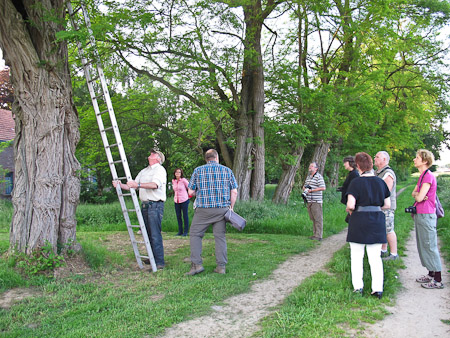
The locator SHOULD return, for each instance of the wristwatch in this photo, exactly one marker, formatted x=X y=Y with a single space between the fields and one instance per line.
x=139 y=185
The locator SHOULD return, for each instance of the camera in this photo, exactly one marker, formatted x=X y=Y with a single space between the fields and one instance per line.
x=305 y=192
x=339 y=189
x=411 y=210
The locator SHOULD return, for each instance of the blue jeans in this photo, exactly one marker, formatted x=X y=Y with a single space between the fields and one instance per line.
x=153 y=214
x=179 y=208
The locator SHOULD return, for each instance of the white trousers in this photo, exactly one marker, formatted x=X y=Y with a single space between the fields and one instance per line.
x=375 y=262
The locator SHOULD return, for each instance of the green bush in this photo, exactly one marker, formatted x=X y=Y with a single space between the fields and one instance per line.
x=6 y=212
x=443 y=182
x=89 y=194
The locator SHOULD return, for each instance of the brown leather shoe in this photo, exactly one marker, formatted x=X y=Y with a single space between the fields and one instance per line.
x=220 y=269
x=195 y=269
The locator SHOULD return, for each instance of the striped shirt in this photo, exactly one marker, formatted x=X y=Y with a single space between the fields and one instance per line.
x=212 y=183
x=315 y=181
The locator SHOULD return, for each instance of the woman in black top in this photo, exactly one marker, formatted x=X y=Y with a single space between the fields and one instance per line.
x=350 y=165
x=366 y=196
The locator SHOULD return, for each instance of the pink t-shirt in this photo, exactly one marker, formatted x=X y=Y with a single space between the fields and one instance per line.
x=180 y=188
x=428 y=206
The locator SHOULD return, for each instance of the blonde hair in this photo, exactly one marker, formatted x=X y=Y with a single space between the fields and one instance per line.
x=426 y=156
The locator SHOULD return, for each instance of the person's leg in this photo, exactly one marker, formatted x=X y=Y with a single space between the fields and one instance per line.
x=219 y=229
x=390 y=233
x=311 y=216
x=318 y=220
x=357 y=264
x=200 y=224
x=155 y=215
x=185 y=209
x=144 y=212
x=376 y=266
x=178 y=207
x=427 y=241
x=392 y=241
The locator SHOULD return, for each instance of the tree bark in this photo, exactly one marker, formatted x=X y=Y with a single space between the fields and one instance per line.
x=287 y=179
x=320 y=155
x=249 y=160
x=47 y=185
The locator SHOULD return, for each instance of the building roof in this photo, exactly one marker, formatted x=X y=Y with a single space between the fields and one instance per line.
x=6 y=125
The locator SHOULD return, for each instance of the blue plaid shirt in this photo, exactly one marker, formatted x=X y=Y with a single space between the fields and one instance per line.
x=212 y=183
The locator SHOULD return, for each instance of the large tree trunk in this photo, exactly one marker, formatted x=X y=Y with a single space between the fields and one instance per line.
x=320 y=155
x=47 y=185
x=249 y=160
x=287 y=179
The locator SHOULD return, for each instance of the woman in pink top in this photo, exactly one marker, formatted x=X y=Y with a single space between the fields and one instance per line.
x=425 y=221
x=181 y=199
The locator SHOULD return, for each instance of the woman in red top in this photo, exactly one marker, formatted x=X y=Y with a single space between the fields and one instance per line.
x=181 y=199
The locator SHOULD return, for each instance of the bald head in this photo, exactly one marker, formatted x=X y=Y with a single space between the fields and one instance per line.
x=381 y=159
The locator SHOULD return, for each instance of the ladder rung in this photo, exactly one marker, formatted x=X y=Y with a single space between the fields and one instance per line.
x=145 y=257
x=121 y=178
x=75 y=11
x=98 y=97
x=139 y=242
x=125 y=195
x=112 y=145
x=89 y=62
x=102 y=112
x=106 y=129
x=118 y=161
x=94 y=79
x=130 y=210
x=134 y=226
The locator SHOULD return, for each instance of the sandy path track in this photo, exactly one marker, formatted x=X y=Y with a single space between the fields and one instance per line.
x=240 y=315
x=418 y=312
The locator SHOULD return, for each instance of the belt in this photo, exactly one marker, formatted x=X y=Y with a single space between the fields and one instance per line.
x=151 y=202
x=368 y=208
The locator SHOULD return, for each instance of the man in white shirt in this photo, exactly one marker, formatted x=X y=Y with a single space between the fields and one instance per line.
x=388 y=175
x=151 y=182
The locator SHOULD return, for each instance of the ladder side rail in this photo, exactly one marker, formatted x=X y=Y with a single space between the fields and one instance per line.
x=119 y=143
x=107 y=96
x=87 y=69
x=136 y=202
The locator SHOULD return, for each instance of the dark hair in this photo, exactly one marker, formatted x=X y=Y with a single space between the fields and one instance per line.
x=182 y=174
x=364 y=161
x=211 y=154
x=350 y=160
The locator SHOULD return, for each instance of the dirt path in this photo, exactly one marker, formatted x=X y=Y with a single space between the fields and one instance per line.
x=418 y=312
x=240 y=315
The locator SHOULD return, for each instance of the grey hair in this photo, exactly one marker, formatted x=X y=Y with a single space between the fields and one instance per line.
x=385 y=154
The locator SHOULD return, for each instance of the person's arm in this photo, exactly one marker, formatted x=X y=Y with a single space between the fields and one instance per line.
x=351 y=203
x=317 y=189
x=233 y=197
x=387 y=203
x=422 y=194
x=122 y=186
x=191 y=192
x=136 y=185
x=389 y=180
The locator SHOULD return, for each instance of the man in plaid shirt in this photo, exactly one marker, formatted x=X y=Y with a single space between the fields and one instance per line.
x=215 y=188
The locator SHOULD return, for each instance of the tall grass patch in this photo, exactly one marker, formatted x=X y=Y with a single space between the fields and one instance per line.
x=6 y=212
x=443 y=182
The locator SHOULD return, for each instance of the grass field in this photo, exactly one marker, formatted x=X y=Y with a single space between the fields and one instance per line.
x=111 y=299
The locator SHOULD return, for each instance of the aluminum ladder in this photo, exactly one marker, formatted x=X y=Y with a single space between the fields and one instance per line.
x=98 y=90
